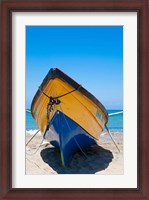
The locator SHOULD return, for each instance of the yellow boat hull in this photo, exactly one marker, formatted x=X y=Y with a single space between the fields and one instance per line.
x=75 y=105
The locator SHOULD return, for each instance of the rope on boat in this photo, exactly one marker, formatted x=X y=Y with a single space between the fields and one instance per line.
x=69 y=92
x=50 y=107
x=73 y=137
x=56 y=98
x=43 y=92
x=49 y=119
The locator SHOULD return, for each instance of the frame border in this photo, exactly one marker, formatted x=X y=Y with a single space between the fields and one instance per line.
x=142 y=9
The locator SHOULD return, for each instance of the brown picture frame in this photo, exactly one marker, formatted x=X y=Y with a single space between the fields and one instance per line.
x=142 y=9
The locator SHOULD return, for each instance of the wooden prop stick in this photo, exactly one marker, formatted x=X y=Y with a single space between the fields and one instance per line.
x=32 y=137
x=112 y=138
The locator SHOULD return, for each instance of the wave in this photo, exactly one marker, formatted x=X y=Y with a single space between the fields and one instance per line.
x=28 y=110
x=31 y=131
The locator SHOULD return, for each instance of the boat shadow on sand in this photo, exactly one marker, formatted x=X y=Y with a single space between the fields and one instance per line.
x=97 y=159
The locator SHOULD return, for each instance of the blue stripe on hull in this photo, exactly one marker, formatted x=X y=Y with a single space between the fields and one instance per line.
x=64 y=133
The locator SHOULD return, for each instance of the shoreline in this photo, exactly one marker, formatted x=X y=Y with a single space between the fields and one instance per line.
x=102 y=158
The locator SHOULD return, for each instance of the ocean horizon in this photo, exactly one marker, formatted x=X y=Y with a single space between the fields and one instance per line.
x=115 y=123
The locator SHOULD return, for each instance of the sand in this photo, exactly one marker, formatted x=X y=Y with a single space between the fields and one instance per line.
x=103 y=158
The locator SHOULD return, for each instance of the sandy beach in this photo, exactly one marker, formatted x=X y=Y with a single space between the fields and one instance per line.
x=103 y=158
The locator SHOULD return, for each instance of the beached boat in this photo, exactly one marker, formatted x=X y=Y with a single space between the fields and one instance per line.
x=67 y=115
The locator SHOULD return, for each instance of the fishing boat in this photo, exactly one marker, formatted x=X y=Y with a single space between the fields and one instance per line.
x=68 y=116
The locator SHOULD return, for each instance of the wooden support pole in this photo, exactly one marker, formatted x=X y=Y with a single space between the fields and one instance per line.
x=32 y=137
x=112 y=138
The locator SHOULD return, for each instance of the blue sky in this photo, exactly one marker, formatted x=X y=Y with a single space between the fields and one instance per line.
x=91 y=55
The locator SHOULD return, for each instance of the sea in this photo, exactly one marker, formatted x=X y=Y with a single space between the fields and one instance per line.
x=115 y=123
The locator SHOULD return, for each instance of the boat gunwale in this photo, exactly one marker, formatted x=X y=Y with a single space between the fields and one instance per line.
x=57 y=73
